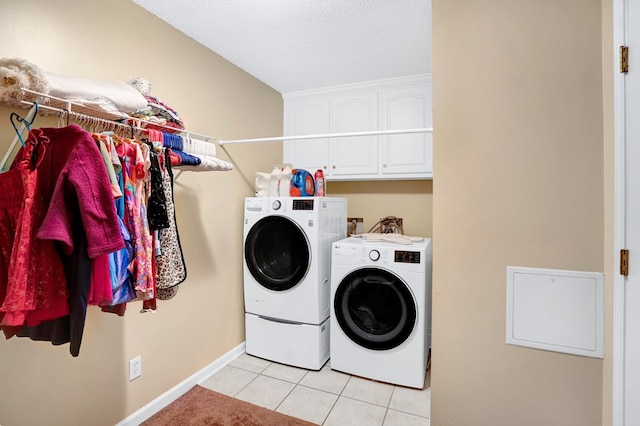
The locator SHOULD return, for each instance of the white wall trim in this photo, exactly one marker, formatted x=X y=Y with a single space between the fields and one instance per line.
x=619 y=213
x=181 y=388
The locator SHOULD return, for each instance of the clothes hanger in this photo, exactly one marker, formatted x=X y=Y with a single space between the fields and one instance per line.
x=26 y=121
x=25 y=124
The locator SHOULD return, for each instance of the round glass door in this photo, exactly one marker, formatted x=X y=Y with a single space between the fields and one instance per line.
x=375 y=308
x=277 y=253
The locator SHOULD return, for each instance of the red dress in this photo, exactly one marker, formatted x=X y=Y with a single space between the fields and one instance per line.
x=35 y=288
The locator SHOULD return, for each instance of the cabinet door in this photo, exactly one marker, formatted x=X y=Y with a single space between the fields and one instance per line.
x=411 y=153
x=307 y=116
x=354 y=155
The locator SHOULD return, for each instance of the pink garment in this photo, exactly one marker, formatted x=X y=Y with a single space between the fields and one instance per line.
x=155 y=135
x=100 y=292
x=175 y=159
x=73 y=167
x=135 y=217
x=141 y=165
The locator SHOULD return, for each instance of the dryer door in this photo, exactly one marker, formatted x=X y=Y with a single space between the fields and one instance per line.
x=277 y=252
x=375 y=308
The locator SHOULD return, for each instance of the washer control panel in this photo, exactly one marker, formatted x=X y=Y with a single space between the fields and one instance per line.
x=374 y=255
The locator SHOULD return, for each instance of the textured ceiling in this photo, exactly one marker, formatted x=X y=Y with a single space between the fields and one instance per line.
x=296 y=45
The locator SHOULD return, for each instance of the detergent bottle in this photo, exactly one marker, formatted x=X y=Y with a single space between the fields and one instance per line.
x=320 y=185
x=302 y=184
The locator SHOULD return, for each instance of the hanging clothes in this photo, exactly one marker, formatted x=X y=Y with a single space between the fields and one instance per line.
x=157 y=205
x=73 y=233
x=80 y=218
x=135 y=216
x=34 y=286
x=103 y=142
x=123 y=286
x=172 y=269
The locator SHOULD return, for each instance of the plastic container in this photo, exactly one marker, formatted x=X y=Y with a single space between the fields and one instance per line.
x=302 y=184
x=262 y=184
x=274 y=182
x=320 y=184
x=284 y=183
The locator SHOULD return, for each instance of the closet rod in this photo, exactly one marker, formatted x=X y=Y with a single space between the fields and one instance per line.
x=69 y=104
x=81 y=116
x=330 y=135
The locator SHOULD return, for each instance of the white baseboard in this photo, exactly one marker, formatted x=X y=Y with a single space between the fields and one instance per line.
x=181 y=388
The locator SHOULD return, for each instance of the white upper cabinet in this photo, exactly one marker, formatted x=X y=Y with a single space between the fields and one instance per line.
x=309 y=116
x=354 y=155
x=394 y=104
x=411 y=153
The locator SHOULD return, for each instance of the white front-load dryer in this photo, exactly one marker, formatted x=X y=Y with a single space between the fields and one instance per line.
x=381 y=310
x=287 y=271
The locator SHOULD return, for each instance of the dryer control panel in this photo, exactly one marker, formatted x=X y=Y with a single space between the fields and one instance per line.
x=382 y=255
x=406 y=256
x=303 y=204
x=356 y=251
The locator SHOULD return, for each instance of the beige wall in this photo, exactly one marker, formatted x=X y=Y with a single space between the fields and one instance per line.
x=518 y=166
x=117 y=40
x=410 y=200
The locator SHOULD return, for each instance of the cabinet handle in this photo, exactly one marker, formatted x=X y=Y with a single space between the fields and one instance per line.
x=324 y=167
x=334 y=166
x=384 y=165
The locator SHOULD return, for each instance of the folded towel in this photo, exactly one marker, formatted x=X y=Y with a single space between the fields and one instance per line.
x=208 y=164
x=123 y=96
x=213 y=163
x=389 y=238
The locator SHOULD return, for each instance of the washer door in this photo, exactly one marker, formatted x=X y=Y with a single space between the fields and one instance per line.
x=277 y=253
x=375 y=308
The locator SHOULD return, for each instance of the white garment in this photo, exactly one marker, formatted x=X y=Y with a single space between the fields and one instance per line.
x=207 y=164
x=198 y=147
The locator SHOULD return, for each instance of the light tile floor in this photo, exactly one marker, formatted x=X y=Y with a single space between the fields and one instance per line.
x=326 y=397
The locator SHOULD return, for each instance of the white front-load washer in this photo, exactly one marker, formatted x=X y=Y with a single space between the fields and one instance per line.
x=287 y=271
x=381 y=310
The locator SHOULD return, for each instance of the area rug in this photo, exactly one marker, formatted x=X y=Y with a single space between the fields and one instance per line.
x=201 y=406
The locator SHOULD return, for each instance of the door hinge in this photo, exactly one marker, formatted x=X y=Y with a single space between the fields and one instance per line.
x=624 y=59
x=624 y=262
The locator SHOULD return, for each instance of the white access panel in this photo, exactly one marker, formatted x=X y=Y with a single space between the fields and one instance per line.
x=556 y=310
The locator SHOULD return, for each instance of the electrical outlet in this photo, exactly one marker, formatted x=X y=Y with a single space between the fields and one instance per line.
x=135 y=368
